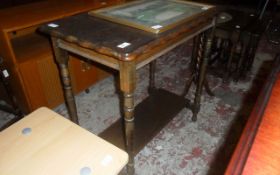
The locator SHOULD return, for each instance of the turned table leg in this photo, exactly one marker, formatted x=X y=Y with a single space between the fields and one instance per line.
x=234 y=40
x=127 y=86
x=193 y=65
x=203 y=53
x=201 y=66
x=152 y=76
x=245 y=40
x=62 y=59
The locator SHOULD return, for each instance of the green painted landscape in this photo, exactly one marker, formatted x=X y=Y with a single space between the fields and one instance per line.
x=155 y=14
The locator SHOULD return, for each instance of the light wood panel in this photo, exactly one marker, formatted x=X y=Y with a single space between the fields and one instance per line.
x=51 y=84
x=31 y=46
x=24 y=16
x=31 y=79
x=55 y=146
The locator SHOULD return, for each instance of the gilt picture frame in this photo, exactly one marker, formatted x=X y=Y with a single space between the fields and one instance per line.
x=152 y=16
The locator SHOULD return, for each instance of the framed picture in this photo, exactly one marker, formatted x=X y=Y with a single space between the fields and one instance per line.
x=153 y=16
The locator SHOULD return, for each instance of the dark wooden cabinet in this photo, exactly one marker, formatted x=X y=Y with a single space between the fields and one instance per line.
x=28 y=55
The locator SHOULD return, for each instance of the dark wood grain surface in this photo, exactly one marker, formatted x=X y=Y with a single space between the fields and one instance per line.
x=240 y=20
x=104 y=36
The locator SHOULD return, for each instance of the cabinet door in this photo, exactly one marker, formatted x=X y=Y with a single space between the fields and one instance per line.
x=83 y=74
x=41 y=82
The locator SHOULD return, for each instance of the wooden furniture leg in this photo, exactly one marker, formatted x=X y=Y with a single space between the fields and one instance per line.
x=252 y=50
x=224 y=51
x=195 y=49
x=192 y=65
x=207 y=88
x=195 y=66
x=127 y=86
x=62 y=59
x=234 y=40
x=203 y=53
x=241 y=66
x=201 y=66
x=152 y=76
x=200 y=54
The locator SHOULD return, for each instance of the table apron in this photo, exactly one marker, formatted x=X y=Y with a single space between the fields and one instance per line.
x=89 y=54
x=164 y=51
x=113 y=62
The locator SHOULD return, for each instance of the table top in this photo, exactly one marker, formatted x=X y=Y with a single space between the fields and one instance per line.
x=239 y=20
x=46 y=143
x=117 y=40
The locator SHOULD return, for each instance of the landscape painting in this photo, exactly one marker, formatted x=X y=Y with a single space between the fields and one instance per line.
x=152 y=16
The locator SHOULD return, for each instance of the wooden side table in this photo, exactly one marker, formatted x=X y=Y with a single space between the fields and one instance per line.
x=46 y=143
x=238 y=39
x=106 y=43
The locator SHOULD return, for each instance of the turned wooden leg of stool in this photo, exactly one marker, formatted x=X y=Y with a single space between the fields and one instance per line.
x=245 y=39
x=255 y=38
x=203 y=54
x=192 y=66
x=200 y=56
x=234 y=40
x=188 y=85
x=207 y=88
x=224 y=51
x=152 y=76
x=62 y=59
x=195 y=49
x=215 y=51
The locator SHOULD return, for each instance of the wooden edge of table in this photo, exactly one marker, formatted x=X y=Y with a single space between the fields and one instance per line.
x=242 y=150
x=141 y=61
x=137 y=55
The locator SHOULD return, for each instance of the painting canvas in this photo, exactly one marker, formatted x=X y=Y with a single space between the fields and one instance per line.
x=153 y=16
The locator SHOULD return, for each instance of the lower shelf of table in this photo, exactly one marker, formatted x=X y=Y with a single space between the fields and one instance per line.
x=151 y=115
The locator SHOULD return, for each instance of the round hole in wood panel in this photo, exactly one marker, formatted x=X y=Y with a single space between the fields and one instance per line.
x=85 y=171
x=26 y=131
